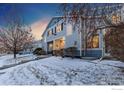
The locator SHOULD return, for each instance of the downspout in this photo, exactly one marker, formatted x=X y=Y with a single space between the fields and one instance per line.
x=84 y=37
x=103 y=45
x=80 y=37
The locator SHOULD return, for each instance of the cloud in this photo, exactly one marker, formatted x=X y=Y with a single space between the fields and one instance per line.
x=38 y=27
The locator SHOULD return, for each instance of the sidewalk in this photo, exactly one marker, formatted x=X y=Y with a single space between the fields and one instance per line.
x=22 y=62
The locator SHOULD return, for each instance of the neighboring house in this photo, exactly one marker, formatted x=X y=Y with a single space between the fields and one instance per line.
x=60 y=35
x=29 y=48
x=37 y=44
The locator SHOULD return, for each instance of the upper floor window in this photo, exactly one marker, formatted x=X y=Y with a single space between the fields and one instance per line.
x=59 y=27
x=50 y=32
x=115 y=18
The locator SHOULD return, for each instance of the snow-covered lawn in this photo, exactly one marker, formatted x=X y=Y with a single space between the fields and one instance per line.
x=67 y=71
x=8 y=59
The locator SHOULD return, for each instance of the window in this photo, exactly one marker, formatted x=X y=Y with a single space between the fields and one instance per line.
x=115 y=18
x=59 y=27
x=59 y=44
x=93 y=42
x=49 y=32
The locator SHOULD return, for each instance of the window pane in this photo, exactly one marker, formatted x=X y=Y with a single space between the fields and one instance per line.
x=58 y=28
x=93 y=42
x=49 y=33
x=115 y=18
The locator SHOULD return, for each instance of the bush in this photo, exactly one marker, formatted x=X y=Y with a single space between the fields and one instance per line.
x=39 y=51
x=115 y=41
x=71 y=51
x=58 y=52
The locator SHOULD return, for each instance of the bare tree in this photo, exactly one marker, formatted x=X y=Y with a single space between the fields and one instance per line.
x=84 y=16
x=15 y=35
x=115 y=41
x=89 y=18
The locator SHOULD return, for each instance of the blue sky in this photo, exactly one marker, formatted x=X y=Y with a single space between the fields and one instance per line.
x=37 y=15
x=32 y=12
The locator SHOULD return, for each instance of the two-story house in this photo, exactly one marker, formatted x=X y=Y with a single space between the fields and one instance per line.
x=61 y=35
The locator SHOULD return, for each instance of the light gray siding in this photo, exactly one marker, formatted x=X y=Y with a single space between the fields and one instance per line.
x=71 y=39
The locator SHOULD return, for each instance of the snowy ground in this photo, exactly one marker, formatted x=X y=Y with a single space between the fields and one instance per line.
x=8 y=59
x=67 y=71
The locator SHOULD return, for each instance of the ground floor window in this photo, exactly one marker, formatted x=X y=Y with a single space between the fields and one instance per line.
x=59 y=44
x=93 y=41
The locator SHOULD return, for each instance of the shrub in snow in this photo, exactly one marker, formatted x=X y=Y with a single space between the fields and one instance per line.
x=39 y=51
x=58 y=52
x=71 y=51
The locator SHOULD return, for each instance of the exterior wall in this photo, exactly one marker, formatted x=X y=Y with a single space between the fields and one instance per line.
x=53 y=37
x=58 y=34
x=70 y=39
x=93 y=53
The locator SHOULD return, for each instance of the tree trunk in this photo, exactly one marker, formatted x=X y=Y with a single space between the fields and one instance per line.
x=14 y=50
x=14 y=55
